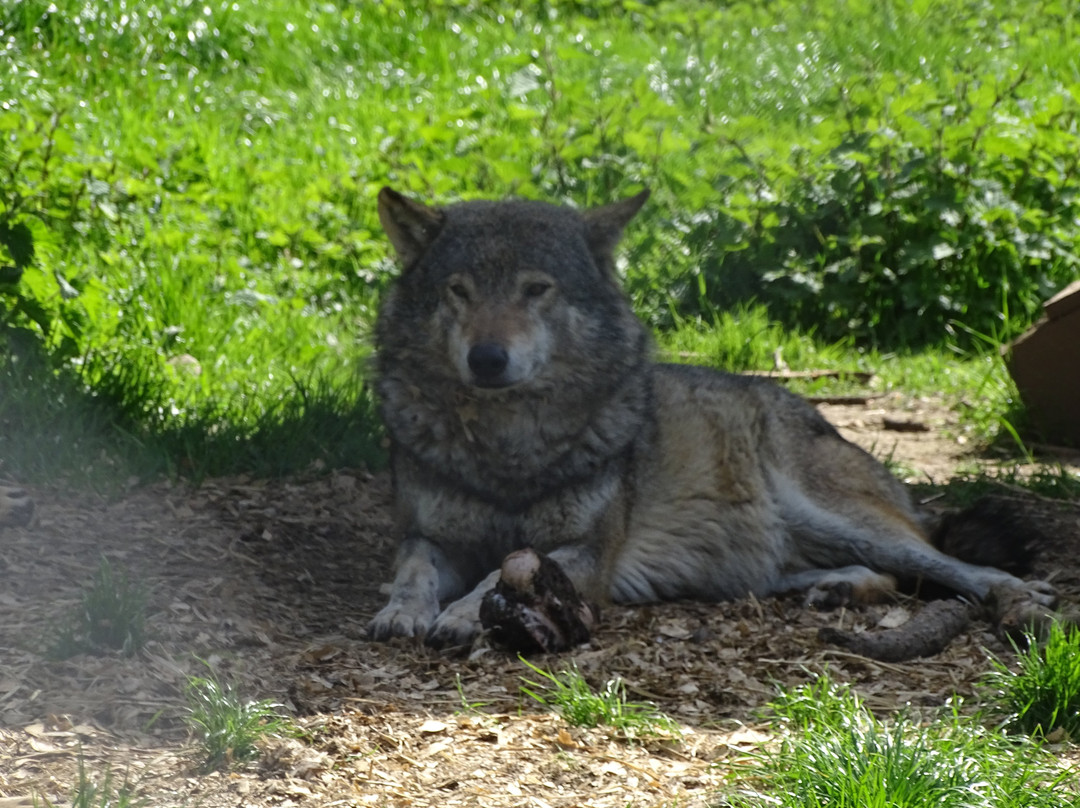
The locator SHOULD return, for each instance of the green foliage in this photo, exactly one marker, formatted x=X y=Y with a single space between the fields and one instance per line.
x=53 y=428
x=47 y=198
x=821 y=704
x=918 y=210
x=187 y=220
x=746 y=337
x=103 y=793
x=834 y=752
x=467 y=706
x=110 y=617
x=1043 y=694
x=228 y=726
x=581 y=706
x=1049 y=482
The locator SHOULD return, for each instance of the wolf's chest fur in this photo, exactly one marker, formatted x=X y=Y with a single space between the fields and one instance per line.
x=514 y=451
x=487 y=475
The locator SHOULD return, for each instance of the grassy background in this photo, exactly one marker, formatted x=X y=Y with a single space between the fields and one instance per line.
x=190 y=258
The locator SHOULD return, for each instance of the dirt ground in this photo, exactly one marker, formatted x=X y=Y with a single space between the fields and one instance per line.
x=272 y=583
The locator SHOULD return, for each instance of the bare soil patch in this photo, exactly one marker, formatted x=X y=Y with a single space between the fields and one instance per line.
x=272 y=584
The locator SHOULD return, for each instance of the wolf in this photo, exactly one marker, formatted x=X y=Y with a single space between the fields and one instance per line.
x=524 y=410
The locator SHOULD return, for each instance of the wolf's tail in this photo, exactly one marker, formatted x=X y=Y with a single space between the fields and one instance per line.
x=994 y=532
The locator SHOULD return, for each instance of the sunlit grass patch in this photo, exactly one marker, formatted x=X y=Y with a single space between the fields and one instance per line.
x=104 y=439
x=228 y=725
x=746 y=338
x=569 y=694
x=832 y=751
x=187 y=193
x=1042 y=695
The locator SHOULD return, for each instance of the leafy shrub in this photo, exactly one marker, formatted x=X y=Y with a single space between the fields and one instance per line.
x=926 y=218
x=49 y=193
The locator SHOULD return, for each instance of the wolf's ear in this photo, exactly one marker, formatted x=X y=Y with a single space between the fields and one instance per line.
x=604 y=227
x=410 y=226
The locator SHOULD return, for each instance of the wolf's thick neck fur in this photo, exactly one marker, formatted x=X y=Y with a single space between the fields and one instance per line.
x=490 y=443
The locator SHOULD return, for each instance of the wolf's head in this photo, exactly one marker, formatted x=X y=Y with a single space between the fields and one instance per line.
x=501 y=295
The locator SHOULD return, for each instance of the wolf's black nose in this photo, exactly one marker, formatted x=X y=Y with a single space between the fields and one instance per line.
x=488 y=360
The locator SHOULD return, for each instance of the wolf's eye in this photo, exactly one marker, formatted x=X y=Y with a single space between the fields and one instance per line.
x=537 y=289
x=459 y=291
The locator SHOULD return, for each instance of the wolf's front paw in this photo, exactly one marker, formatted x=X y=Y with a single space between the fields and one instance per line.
x=16 y=507
x=457 y=625
x=403 y=618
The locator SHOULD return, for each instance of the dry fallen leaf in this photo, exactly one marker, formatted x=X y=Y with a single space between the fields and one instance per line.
x=894 y=618
x=565 y=739
x=432 y=727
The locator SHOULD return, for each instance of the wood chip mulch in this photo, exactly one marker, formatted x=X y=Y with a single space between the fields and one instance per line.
x=271 y=584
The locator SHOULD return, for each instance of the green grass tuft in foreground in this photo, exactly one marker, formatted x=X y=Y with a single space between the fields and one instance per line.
x=1042 y=696
x=110 y=617
x=833 y=752
x=102 y=792
x=228 y=726
x=575 y=700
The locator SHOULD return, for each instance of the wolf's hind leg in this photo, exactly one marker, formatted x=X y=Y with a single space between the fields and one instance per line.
x=878 y=529
x=846 y=586
x=905 y=554
x=422 y=576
